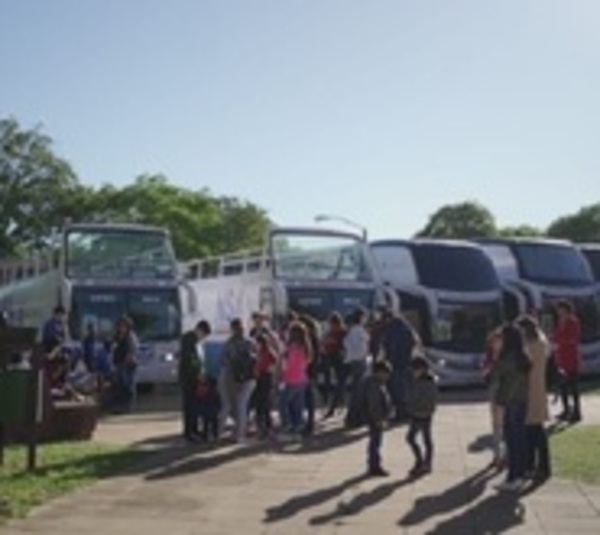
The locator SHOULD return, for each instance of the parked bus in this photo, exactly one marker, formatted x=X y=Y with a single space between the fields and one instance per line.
x=450 y=293
x=536 y=273
x=100 y=272
x=308 y=271
x=592 y=254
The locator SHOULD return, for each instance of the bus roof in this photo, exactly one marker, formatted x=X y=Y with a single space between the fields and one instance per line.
x=523 y=241
x=425 y=241
x=128 y=227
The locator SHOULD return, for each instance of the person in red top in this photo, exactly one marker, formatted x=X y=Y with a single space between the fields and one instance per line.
x=566 y=337
x=265 y=369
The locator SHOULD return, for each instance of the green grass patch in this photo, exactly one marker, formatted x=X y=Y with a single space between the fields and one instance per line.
x=575 y=453
x=63 y=468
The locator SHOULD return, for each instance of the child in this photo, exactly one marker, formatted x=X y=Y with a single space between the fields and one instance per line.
x=267 y=361
x=421 y=407
x=376 y=411
x=209 y=406
x=493 y=350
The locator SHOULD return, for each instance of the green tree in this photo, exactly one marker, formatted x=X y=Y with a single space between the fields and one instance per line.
x=521 y=231
x=583 y=226
x=464 y=220
x=35 y=188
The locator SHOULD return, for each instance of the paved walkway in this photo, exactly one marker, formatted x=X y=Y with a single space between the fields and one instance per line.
x=316 y=489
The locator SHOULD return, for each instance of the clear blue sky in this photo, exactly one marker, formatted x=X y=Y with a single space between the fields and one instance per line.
x=379 y=110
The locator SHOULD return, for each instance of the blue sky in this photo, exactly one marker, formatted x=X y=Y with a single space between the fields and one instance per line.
x=380 y=111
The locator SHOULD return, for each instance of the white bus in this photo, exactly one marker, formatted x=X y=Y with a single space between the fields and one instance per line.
x=450 y=293
x=536 y=273
x=308 y=271
x=99 y=272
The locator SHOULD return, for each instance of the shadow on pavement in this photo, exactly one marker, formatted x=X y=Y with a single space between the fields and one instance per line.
x=324 y=440
x=481 y=443
x=297 y=504
x=453 y=498
x=359 y=503
x=493 y=515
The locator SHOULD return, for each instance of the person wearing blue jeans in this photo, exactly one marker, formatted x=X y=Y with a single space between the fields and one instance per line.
x=376 y=407
x=515 y=434
x=292 y=407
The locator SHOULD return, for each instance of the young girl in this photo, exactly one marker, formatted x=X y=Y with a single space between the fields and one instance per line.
x=294 y=378
x=266 y=364
x=493 y=349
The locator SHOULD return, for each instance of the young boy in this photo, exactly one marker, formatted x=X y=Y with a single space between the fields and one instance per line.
x=421 y=407
x=376 y=407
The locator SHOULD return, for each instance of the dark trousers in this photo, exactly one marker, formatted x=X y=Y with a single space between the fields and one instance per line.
x=309 y=405
x=210 y=426
x=374 y=447
x=422 y=427
x=398 y=386
x=124 y=385
x=569 y=392
x=341 y=373
x=263 y=402
x=515 y=436
x=189 y=411
x=538 y=453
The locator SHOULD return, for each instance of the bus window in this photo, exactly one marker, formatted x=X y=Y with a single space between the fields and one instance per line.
x=395 y=264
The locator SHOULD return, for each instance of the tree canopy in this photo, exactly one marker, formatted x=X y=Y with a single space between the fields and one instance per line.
x=583 y=226
x=466 y=220
x=40 y=191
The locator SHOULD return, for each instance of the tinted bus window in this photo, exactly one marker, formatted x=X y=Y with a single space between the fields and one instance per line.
x=503 y=259
x=553 y=264
x=593 y=258
x=455 y=268
x=395 y=264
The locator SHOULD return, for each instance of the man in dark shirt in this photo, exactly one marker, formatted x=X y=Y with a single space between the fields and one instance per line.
x=124 y=357
x=54 y=331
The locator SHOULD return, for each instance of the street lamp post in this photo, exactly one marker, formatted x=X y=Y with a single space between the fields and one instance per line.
x=327 y=217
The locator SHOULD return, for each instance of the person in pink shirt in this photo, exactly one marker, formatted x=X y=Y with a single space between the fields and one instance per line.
x=294 y=378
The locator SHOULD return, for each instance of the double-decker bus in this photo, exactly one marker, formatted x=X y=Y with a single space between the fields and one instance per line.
x=99 y=272
x=308 y=271
x=450 y=293
x=536 y=273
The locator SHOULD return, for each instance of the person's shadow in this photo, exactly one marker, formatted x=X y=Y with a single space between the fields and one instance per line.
x=360 y=502
x=451 y=499
x=493 y=515
x=297 y=504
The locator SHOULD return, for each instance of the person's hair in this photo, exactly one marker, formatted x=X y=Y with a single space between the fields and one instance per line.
x=125 y=321
x=298 y=334
x=419 y=362
x=59 y=309
x=236 y=325
x=565 y=306
x=309 y=322
x=530 y=327
x=335 y=319
x=382 y=366
x=513 y=343
x=357 y=316
x=204 y=326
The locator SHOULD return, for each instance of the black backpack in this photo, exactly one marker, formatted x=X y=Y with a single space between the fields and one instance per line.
x=243 y=363
x=356 y=414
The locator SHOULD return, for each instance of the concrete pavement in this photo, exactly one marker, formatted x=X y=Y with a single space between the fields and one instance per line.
x=316 y=488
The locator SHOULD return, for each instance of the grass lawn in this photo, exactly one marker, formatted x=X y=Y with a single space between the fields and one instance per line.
x=576 y=453
x=62 y=468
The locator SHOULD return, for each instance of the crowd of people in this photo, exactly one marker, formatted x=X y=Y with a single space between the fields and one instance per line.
x=373 y=369
x=367 y=367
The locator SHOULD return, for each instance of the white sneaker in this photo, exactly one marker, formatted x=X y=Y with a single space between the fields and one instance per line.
x=511 y=486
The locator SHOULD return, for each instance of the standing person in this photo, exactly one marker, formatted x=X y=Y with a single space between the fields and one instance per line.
x=567 y=337
x=54 y=332
x=237 y=378
x=191 y=367
x=125 y=350
x=376 y=411
x=513 y=368
x=332 y=349
x=492 y=354
x=356 y=352
x=398 y=341
x=89 y=348
x=267 y=363
x=421 y=407
x=312 y=331
x=538 y=349
x=294 y=379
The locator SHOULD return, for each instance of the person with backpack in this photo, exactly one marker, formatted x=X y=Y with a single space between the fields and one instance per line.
x=376 y=407
x=294 y=379
x=237 y=378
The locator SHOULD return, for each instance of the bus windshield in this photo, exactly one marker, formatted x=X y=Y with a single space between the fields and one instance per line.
x=319 y=257
x=553 y=264
x=454 y=268
x=155 y=312
x=113 y=253
x=593 y=257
